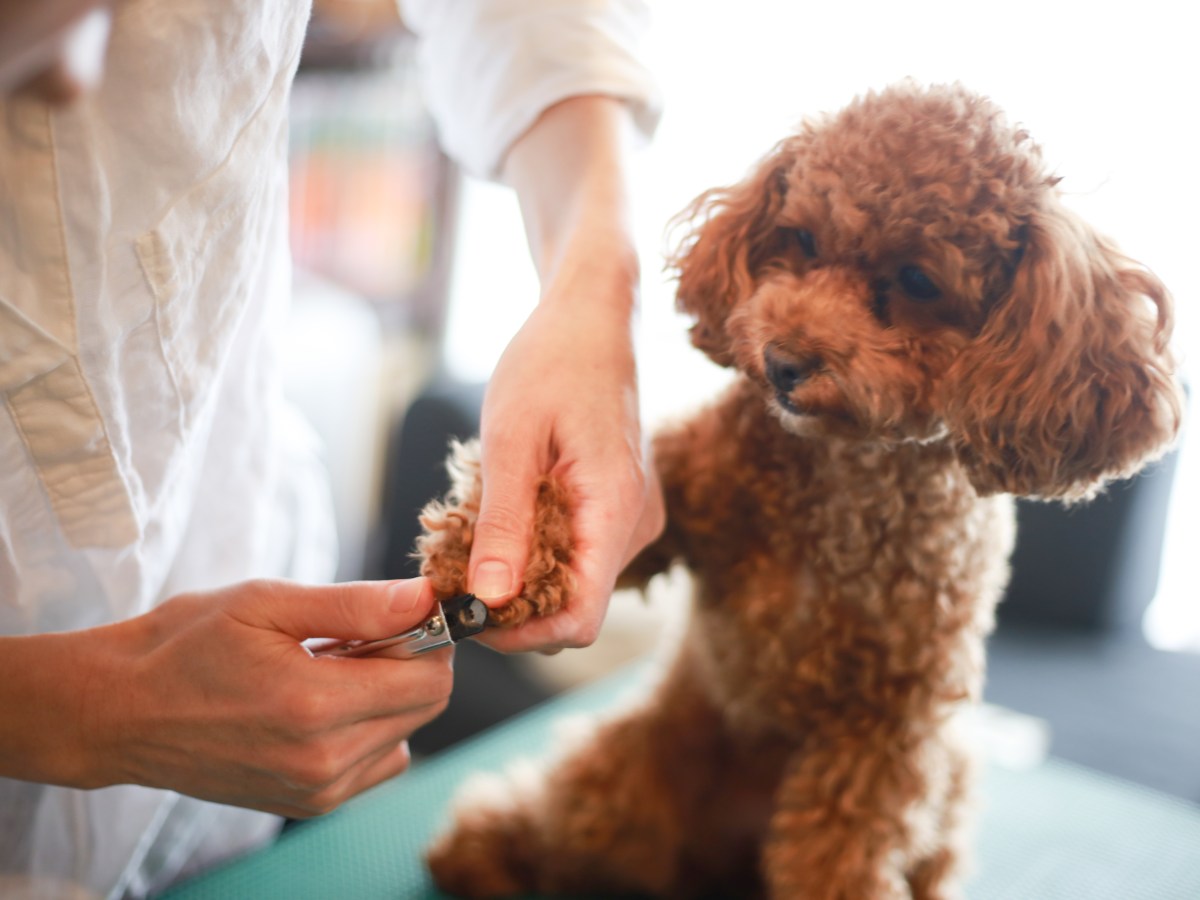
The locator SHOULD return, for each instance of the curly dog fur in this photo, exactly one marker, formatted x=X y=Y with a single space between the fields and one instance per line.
x=922 y=330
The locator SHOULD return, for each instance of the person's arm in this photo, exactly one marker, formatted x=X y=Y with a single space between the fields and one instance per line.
x=564 y=394
x=212 y=695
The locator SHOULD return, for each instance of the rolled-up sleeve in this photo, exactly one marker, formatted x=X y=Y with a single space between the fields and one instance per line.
x=491 y=67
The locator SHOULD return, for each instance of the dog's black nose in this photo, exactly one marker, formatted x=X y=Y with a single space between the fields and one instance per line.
x=786 y=370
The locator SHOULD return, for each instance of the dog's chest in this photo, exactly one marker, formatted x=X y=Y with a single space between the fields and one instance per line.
x=820 y=521
x=855 y=558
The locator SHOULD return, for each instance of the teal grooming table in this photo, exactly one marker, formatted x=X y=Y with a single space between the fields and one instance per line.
x=1055 y=832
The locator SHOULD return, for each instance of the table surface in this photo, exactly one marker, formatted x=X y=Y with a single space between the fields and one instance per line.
x=1054 y=832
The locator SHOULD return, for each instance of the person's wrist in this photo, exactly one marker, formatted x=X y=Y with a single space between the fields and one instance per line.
x=99 y=727
x=52 y=684
x=597 y=266
x=569 y=171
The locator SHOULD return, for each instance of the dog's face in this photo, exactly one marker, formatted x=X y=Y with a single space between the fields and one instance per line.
x=905 y=271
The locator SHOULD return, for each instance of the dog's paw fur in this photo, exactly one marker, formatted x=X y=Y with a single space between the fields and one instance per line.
x=482 y=858
x=449 y=527
x=490 y=851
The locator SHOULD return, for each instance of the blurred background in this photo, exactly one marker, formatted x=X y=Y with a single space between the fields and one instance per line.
x=411 y=279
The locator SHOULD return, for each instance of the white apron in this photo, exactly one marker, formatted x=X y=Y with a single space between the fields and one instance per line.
x=145 y=448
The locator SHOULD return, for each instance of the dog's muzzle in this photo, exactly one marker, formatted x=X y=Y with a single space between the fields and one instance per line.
x=786 y=371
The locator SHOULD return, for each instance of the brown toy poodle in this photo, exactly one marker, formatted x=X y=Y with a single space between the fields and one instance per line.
x=922 y=329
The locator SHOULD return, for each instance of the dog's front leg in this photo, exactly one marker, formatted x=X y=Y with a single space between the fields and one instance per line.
x=842 y=824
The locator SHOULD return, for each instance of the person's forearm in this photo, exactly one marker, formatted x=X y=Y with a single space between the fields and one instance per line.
x=570 y=171
x=48 y=683
x=564 y=393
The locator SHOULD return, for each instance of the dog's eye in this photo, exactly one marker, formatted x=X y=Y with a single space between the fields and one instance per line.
x=807 y=242
x=917 y=284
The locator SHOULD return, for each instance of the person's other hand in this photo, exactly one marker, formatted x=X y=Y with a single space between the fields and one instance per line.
x=213 y=695
x=563 y=398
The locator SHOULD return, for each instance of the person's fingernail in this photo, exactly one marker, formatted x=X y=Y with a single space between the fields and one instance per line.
x=405 y=596
x=493 y=580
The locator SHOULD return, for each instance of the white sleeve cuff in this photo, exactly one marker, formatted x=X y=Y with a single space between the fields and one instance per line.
x=491 y=67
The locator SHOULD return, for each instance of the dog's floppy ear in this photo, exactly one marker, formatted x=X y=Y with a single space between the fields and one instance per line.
x=729 y=231
x=1070 y=383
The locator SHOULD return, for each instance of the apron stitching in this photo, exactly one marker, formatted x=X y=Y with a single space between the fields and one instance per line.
x=105 y=445
x=18 y=313
x=61 y=232
x=150 y=249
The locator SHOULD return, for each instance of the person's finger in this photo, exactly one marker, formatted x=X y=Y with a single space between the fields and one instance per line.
x=387 y=763
x=564 y=630
x=371 y=687
x=319 y=774
x=382 y=763
x=605 y=542
x=365 y=610
x=652 y=520
x=362 y=744
x=604 y=545
x=500 y=546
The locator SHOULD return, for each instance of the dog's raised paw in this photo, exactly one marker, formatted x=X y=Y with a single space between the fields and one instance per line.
x=449 y=529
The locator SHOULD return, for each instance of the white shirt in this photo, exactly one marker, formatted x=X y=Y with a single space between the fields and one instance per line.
x=145 y=446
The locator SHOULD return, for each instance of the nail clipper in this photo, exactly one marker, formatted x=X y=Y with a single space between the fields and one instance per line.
x=456 y=618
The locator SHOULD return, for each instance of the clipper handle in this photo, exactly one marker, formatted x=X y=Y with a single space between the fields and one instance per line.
x=455 y=619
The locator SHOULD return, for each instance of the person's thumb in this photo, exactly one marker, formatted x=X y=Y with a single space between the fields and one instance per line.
x=365 y=610
x=500 y=545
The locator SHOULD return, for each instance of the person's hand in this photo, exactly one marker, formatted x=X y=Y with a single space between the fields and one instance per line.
x=563 y=398
x=213 y=694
